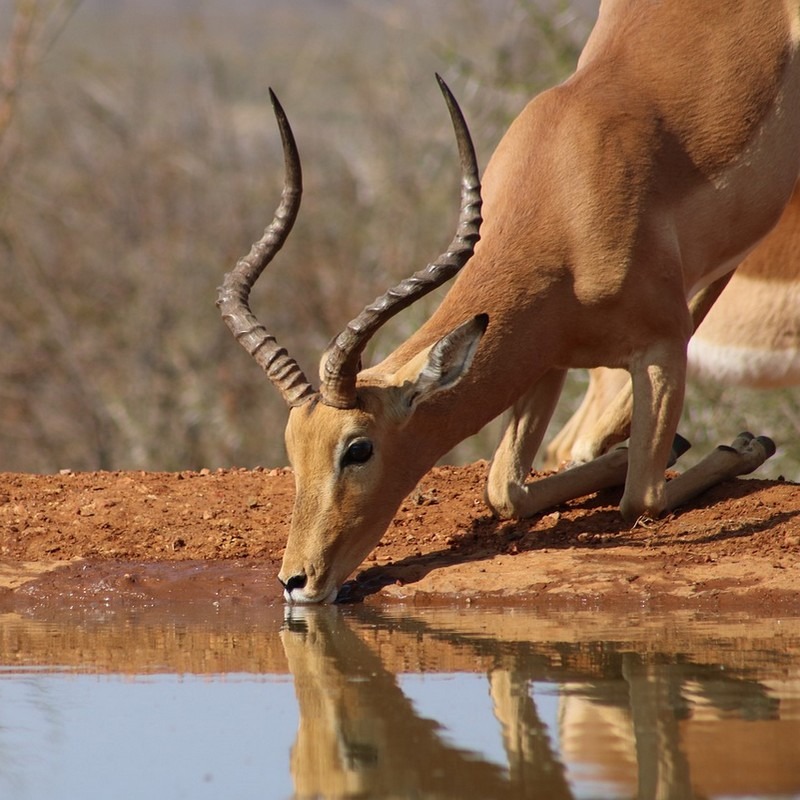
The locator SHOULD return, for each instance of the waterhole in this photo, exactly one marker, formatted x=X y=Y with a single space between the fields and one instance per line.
x=204 y=701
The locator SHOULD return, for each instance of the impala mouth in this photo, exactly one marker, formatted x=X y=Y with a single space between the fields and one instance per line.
x=302 y=595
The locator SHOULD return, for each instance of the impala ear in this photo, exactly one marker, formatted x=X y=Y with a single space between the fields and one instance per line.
x=442 y=365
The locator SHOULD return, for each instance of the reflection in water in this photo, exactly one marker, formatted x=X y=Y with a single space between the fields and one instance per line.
x=644 y=724
x=584 y=705
x=359 y=735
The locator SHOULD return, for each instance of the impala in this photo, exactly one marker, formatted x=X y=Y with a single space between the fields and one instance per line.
x=611 y=201
x=749 y=337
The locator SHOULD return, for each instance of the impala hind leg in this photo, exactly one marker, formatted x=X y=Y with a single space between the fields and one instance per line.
x=612 y=423
x=506 y=493
x=567 y=445
x=658 y=382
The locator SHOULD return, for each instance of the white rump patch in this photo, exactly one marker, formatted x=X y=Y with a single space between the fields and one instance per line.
x=744 y=366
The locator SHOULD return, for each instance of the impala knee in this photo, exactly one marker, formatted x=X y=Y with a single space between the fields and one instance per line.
x=503 y=498
x=643 y=501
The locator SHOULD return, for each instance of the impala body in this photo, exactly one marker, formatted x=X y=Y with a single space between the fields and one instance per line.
x=749 y=337
x=612 y=200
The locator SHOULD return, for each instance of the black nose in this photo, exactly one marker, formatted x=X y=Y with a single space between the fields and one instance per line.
x=295 y=582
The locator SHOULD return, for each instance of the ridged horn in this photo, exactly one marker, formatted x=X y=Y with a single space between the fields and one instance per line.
x=340 y=364
x=234 y=294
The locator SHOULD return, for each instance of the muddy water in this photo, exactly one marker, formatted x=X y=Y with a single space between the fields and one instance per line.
x=201 y=700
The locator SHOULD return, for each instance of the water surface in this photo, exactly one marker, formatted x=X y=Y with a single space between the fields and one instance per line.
x=201 y=701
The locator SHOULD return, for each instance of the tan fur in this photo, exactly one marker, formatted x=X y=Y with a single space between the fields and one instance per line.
x=611 y=199
x=750 y=337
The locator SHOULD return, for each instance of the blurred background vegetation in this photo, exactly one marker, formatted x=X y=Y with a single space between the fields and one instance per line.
x=139 y=158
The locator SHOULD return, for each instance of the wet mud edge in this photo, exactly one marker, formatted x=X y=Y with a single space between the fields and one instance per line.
x=112 y=585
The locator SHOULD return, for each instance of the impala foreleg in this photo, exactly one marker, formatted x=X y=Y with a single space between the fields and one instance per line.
x=658 y=376
x=602 y=473
x=506 y=493
x=604 y=417
x=745 y=454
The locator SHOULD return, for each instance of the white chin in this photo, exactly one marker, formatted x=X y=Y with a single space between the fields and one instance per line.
x=298 y=597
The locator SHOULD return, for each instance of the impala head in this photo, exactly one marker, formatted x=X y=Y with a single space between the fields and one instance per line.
x=347 y=441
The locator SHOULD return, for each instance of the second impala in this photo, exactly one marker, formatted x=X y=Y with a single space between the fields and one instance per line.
x=612 y=201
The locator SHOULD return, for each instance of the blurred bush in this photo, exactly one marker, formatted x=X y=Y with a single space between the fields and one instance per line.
x=142 y=159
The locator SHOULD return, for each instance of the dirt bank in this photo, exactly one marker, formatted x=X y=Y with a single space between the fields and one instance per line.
x=142 y=537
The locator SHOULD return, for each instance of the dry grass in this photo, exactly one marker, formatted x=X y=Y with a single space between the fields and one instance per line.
x=141 y=160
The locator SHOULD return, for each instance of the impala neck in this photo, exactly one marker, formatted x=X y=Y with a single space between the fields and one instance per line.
x=496 y=378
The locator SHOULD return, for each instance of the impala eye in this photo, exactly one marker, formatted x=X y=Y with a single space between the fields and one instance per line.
x=358 y=451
